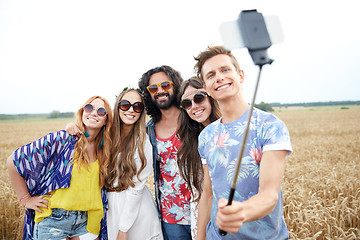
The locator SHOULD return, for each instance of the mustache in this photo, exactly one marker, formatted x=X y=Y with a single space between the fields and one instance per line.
x=160 y=95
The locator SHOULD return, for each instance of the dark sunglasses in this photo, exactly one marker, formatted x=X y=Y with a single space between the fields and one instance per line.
x=88 y=108
x=154 y=88
x=198 y=98
x=125 y=105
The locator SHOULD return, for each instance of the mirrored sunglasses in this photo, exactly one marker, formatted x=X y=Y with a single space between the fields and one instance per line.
x=88 y=108
x=198 y=98
x=125 y=105
x=154 y=88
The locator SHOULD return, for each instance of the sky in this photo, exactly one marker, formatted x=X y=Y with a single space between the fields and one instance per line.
x=54 y=55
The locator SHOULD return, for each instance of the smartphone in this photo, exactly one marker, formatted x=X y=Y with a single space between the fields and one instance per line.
x=231 y=34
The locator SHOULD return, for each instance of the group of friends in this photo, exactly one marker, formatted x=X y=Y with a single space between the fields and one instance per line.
x=89 y=180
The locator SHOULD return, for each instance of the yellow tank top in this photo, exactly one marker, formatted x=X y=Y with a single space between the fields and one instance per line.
x=84 y=194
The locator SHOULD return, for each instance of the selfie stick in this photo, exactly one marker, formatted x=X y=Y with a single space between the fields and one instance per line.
x=257 y=41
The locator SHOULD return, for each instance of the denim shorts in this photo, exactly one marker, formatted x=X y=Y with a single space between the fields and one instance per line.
x=62 y=224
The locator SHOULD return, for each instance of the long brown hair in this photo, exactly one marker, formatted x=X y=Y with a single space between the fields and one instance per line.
x=189 y=161
x=103 y=151
x=122 y=165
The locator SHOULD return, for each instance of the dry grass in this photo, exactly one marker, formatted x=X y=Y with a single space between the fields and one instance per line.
x=321 y=185
x=322 y=179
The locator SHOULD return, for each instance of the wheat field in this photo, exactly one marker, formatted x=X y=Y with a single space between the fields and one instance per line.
x=321 y=186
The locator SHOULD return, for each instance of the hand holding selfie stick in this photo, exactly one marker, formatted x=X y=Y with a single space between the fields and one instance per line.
x=256 y=38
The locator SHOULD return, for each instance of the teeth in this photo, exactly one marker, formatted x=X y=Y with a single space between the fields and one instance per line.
x=130 y=116
x=162 y=97
x=198 y=112
x=222 y=87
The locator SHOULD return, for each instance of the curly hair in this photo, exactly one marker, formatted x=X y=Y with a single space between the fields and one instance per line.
x=121 y=164
x=150 y=106
x=103 y=151
x=209 y=53
x=189 y=161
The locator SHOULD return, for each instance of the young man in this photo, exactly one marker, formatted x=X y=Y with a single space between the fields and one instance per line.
x=257 y=209
x=160 y=86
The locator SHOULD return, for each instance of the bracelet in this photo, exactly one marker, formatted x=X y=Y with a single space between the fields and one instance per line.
x=23 y=197
x=26 y=196
x=28 y=199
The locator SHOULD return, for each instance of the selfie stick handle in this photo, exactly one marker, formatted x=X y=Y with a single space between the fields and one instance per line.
x=238 y=165
x=257 y=40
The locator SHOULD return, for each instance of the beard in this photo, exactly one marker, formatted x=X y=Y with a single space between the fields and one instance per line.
x=164 y=104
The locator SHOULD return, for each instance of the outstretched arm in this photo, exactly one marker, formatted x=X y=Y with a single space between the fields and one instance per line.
x=272 y=167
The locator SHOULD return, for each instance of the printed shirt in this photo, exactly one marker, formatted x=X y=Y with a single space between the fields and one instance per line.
x=219 y=147
x=175 y=194
x=46 y=165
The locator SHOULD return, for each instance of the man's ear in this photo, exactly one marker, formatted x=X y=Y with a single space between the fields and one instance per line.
x=204 y=86
x=242 y=76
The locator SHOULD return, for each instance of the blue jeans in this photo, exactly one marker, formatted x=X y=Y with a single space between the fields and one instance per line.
x=176 y=231
x=61 y=224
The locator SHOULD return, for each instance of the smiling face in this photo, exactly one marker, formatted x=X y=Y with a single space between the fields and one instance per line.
x=221 y=78
x=129 y=117
x=162 y=98
x=199 y=112
x=91 y=119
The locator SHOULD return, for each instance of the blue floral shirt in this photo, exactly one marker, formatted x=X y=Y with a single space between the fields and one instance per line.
x=219 y=147
x=46 y=165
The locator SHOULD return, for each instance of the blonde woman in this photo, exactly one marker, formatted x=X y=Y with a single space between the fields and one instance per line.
x=59 y=178
x=132 y=213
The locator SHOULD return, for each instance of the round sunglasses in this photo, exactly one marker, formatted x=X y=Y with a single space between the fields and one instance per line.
x=125 y=105
x=154 y=88
x=88 y=108
x=198 y=98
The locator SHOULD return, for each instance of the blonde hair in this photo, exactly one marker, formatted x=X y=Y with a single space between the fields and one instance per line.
x=122 y=165
x=103 y=151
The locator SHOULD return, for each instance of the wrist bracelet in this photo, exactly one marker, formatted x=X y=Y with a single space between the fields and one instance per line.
x=28 y=199
x=23 y=197
x=26 y=196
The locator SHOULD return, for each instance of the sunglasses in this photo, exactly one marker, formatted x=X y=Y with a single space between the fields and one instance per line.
x=88 y=108
x=154 y=88
x=125 y=105
x=198 y=98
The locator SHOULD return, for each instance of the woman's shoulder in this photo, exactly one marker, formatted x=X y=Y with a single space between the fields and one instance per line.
x=58 y=134
x=62 y=136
